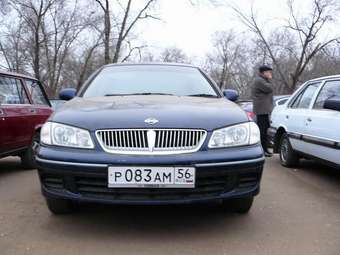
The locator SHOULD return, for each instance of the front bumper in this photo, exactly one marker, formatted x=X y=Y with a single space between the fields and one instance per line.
x=218 y=176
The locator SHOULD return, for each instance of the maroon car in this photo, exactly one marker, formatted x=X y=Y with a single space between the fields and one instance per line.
x=24 y=107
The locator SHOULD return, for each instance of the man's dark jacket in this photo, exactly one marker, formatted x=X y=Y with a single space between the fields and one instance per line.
x=262 y=95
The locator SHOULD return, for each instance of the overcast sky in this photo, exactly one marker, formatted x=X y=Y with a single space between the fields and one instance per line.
x=191 y=28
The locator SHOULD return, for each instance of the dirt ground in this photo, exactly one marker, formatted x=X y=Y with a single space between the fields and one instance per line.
x=297 y=212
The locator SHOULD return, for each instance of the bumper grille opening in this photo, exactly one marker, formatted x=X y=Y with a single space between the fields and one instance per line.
x=248 y=180
x=53 y=182
x=210 y=182
x=97 y=188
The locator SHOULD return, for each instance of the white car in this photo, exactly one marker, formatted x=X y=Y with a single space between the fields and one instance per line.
x=308 y=125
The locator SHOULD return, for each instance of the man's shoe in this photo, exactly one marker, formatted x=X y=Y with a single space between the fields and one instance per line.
x=268 y=154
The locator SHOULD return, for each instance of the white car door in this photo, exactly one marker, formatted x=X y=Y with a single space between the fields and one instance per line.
x=296 y=112
x=322 y=125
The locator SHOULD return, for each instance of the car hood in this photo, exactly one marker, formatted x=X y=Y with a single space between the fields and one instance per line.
x=131 y=112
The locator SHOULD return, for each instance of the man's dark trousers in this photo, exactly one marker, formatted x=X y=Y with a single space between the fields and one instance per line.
x=263 y=123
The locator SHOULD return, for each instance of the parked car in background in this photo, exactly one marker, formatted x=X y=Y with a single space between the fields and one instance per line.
x=247 y=105
x=307 y=126
x=56 y=103
x=24 y=108
x=150 y=134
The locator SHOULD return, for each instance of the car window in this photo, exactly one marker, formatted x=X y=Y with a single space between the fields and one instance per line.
x=330 y=89
x=36 y=93
x=126 y=80
x=282 y=101
x=305 y=97
x=12 y=91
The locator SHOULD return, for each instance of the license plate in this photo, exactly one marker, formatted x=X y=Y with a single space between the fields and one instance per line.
x=151 y=177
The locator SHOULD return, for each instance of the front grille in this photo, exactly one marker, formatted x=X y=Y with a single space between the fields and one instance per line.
x=151 y=141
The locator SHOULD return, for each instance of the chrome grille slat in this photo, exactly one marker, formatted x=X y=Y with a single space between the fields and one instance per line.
x=139 y=139
x=170 y=139
x=135 y=138
x=166 y=139
x=119 y=139
x=123 y=139
x=180 y=138
x=127 y=139
x=134 y=141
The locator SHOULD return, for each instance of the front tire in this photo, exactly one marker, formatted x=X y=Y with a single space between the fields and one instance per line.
x=28 y=157
x=59 y=206
x=288 y=157
x=239 y=205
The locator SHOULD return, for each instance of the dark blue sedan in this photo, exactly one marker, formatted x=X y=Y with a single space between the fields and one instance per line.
x=149 y=134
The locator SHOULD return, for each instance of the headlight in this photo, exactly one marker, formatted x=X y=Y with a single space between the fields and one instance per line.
x=63 y=135
x=238 y=135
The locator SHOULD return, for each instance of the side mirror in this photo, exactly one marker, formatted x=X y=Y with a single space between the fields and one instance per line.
x=332 y=103
x=231 y=94
x=67 y=94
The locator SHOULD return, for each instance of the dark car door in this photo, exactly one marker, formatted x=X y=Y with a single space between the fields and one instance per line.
x=40 y=103
x=16 y=112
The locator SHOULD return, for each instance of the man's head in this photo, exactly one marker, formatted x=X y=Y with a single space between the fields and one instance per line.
x=266 y=72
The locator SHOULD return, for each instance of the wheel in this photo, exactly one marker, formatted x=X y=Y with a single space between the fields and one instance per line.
x=288 y=157
x=60 y=206
x=239 y=205
x=28 y=157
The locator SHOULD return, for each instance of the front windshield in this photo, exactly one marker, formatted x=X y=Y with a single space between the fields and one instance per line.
x=149 y=79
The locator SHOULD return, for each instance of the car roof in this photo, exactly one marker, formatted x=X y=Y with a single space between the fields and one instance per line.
x=281 y=97
x=153 y=64
x=326 y=78
x=4 y=72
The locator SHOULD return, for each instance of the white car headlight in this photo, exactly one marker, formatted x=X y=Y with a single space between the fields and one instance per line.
x=238 y=135
x=64 y=135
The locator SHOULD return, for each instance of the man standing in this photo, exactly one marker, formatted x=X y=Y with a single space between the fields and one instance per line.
x=262 y=95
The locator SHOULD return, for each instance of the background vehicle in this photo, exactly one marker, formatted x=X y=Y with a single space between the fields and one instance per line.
x=56 y=103
x=247 y=105
x=150 y=134
x=307 y=126
x=24 y=107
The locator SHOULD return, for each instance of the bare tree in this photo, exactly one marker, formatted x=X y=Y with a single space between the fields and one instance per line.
x=53 y=35
x=86 y=60
x=47 y=37
x=133 y=49
x=230 y=63
x=308 y=30
x=125 y=27
x=227 y=54
x=33 y=12
x=4 y=7
x=12 y=48
x=173 y=54
x=326 y=62
x=105 y=6
x=60 y=30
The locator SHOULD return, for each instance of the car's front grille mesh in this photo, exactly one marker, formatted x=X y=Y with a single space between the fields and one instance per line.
x=178 y=139
x=151 y=140
x=123 y=139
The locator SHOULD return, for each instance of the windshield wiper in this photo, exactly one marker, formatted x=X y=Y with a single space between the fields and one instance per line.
x=202 y=95
x=140 y=94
